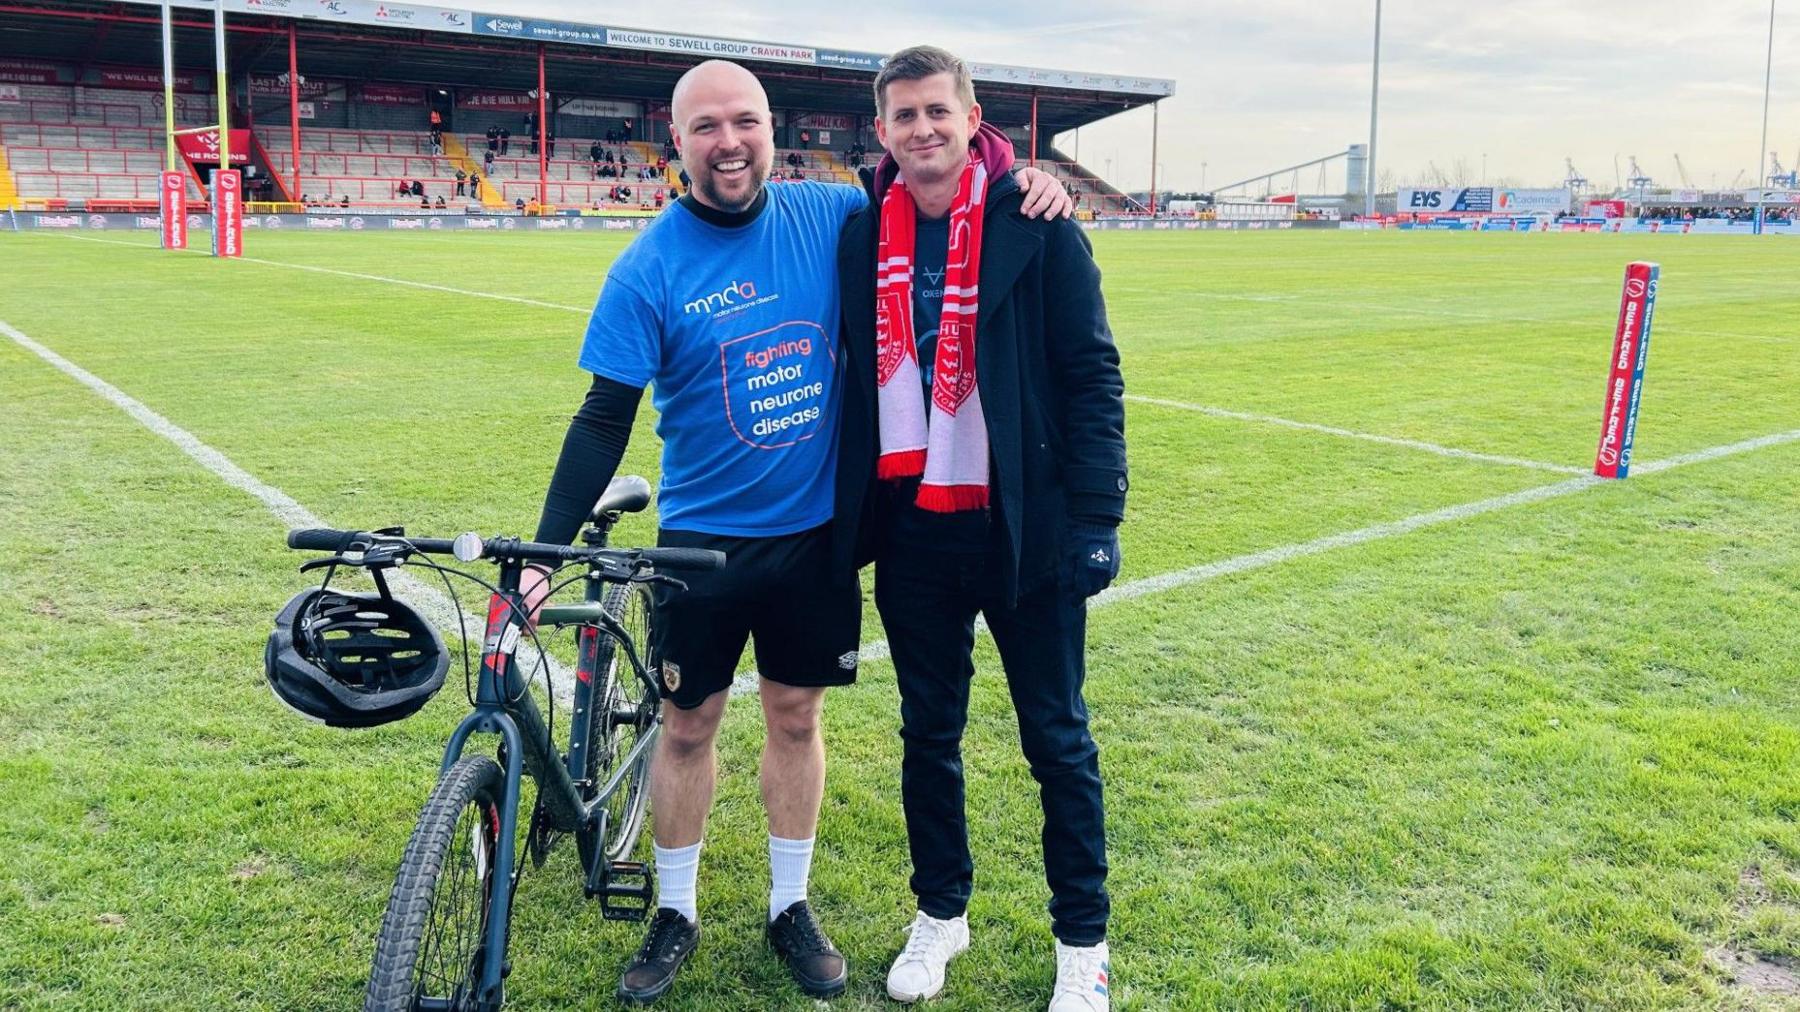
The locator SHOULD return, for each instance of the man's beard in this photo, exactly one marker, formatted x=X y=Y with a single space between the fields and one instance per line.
x=759 y=177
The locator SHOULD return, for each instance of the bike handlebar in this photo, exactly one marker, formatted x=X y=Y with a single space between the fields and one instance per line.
x=325 y=539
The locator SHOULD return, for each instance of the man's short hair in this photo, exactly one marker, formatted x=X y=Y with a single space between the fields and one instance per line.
x=918 y=63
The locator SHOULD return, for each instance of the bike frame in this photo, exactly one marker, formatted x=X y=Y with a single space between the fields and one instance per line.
x=503 y=707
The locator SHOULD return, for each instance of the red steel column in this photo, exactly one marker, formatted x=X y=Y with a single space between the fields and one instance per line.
x=1032 y=158
x=542 y=145
x=294 y=108
x=1155 y=122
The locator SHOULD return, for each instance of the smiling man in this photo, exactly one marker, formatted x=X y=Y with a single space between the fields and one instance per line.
x=982 y=467
x=727 y=306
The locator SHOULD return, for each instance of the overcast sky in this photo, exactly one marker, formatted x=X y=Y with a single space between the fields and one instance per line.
x=1523 y=83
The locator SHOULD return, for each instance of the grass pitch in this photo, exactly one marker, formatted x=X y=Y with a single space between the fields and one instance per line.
x=1546 y=755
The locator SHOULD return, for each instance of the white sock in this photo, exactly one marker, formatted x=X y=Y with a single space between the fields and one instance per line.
x=677 y=876
x=789 y=863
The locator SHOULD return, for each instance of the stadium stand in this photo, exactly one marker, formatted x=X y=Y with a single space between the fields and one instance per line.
x=81 y=120
x=98 y=146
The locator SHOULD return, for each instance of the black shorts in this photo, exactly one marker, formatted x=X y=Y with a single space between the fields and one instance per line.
x=781 y=592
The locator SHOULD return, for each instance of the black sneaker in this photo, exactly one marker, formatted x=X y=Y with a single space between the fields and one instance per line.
x=652 y=971
x=818 y=967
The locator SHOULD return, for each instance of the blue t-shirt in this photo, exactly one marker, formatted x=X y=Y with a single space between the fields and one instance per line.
x=736 y=329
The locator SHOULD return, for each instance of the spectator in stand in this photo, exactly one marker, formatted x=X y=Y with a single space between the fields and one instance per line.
x=487 y=162
x=437 y=141
x=418 y=188
x=437 y=121
x=305 y=201
x=475 y=184
x=505 y=140
x=596 y=154
x=462 y=179
x=403 y=189
x=345 y=202
x=659 y=200
x=519 y=205
x=805 y=138
x=425 y=203
x=493 y=138
x=439 y=203
x=550 y=144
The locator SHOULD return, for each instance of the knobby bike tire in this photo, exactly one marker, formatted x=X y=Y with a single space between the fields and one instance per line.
x=630 y=605
x=407 y=947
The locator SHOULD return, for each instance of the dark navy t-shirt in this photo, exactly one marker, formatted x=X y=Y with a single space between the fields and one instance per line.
x=736 y=330
x=931 y=247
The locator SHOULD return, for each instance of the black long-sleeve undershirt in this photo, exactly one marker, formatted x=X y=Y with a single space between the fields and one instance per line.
x=598 y=434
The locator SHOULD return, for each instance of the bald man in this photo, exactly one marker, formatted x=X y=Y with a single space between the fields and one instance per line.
x=727 y=306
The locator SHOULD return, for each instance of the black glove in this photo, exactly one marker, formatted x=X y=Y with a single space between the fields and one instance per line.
x=1097 y=557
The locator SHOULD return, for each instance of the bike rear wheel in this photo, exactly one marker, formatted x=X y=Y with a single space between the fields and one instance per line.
x=429 y=952
x=623 y=714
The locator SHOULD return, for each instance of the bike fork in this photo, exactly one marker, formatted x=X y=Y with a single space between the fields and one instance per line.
x=493 y=964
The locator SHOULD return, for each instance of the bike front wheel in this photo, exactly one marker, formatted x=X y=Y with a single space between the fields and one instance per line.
x=433 y=940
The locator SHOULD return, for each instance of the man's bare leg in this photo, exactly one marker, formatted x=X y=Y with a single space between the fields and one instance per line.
x=684 y=772
x=793 y=759
x=793 y=782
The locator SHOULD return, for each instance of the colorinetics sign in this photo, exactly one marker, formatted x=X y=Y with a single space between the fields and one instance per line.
x=1625 y=380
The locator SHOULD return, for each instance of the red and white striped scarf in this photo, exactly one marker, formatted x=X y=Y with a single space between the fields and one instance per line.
x=944 y=443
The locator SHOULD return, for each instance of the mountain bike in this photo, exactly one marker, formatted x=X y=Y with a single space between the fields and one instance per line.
x=443 y=939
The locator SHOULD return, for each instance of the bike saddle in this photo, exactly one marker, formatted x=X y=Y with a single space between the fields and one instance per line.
x=627 y=493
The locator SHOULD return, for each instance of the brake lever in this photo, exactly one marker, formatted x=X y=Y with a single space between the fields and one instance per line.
x=651 y=576
x=381 y=555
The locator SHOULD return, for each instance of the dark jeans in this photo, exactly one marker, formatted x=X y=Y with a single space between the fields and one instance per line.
x=928 y=603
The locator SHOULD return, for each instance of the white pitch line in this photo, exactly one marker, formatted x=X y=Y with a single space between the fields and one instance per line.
x=520 y=300
x=1666 y=327
x=878 y=650
x=1245 y=416
x=433 y=602
x=1332 y=430
x=1363 y=535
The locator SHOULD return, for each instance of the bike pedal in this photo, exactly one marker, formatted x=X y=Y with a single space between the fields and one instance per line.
x=627 y=890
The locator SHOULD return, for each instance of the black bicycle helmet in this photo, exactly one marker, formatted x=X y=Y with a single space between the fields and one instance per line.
x=353 y=660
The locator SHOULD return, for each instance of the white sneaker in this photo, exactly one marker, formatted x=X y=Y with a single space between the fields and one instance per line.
x=918 y=972
x=1081 y=979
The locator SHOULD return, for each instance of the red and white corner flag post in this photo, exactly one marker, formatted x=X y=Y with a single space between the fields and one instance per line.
x=1625 y=381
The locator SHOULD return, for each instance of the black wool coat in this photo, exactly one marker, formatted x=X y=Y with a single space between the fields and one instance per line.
x=1050 y=387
